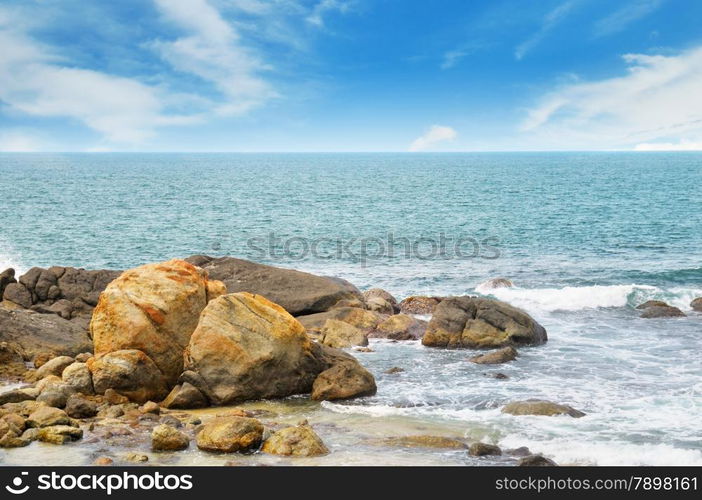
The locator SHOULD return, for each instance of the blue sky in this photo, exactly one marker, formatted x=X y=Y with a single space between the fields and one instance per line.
x=350 y=75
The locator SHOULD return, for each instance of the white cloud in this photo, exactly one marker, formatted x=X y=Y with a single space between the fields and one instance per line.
x=213 y=51
x=658 y=99
x=323 y=7
x=624 y=16
x=682 y=145
x=33 y=81
x=435 y=135
x=550 y=21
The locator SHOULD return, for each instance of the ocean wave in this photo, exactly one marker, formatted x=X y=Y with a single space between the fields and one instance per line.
x=571 y=298
x=8 y=258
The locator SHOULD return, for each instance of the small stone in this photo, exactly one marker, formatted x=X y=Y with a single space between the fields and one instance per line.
x=394 y=369
x=150 y=407
x=79 y=407
x=136 y=457
x=59 y=434
x=540 y=407
x=483 y=449
x=167 y=438
x=499 y=356
x=103 y=461
x=230 y=434
x=47 y=416
x=115 y=398
x=299 y=441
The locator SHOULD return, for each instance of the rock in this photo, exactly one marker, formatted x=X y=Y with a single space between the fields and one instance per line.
x=363 y=349
x=424 y=442
x=79 y=407
x=11 y=361
x=419 y=304
x=360 y=318
x=497 y=375
x=152 y=309
x=339 y=334
x=246 y=347
x=540 y=407
x=42 y=333
x=111 y=412
x=483 y=449
x=230 y=434
x=536 y=461
x=13 y=419
x=131 y=373
x=43 y=288
x=496 y=283
x=696 y=304
x=59 y=434
x=42 y=358
x=171 y=420
x=77 y=375
x=114 y=398
x=83 y=357
x=103 y=461
x=300 y=441
x=662 y=312
x=652 y=303
x=522 y=451
x=136 y=458
x=54 y=398
x=11 y=440
x=185 y=396
x=394 y=369
x=46 y=416
x=167 y=438
x=54 y=367
x=297 y=292
x=343 y=381
x=497 y=357
x=400 y=327
x=150 y=407
x=7 y=277
x=379 y=305
x=481 y=323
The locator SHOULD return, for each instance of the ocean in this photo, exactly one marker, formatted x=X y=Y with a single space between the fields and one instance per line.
x=585 y=237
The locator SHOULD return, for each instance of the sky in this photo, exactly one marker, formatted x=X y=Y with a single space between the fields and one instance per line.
x=350 y=75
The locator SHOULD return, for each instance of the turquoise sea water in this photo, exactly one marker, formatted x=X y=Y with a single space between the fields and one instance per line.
x=584 y=236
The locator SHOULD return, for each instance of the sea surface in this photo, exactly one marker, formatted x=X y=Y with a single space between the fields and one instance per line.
x=585 y=237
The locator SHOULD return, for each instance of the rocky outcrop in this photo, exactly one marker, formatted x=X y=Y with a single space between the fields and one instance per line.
x=300 y=441
x=481 y=323
x=7 y=277
x=74 y=292
x=652 y=303
x=130 y=373
x=339 y=334
x=355 y=316
x=152 y=309
x=344 y=380
x=696 y=304
x=540 y=407
x=230 y=434
x=297 y=292
x=11 y=361
x=39 y=333
x=400 y=327
x=247 y=347
x=662 y=312
x=419 y=304
x=499 y=356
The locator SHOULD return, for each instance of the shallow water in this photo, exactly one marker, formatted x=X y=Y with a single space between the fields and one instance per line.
x=585 y=237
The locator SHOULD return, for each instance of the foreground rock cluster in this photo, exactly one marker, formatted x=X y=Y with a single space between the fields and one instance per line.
x=140 y=345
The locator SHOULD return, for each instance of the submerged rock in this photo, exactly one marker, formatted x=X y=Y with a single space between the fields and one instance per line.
x=481 y=323
x=300 y=441
x=483 y=449
x=230 y=434
x=419 y=304
x=662 y=312
x=167 y=438
x=540 y=407
x=536 y=461
x=696 y=304
x=152 y=309
x=400 y=327
x=652 y=303
x=423 y=442
x=297 y=292
x=496 y=283
x=499 y=356
x=339 y=334
x=247 y=347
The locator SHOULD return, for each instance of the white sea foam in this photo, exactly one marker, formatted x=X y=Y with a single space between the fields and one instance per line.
x=8 y=258
x=589 y=297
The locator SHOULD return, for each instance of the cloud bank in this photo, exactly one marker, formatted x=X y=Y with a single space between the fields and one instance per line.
x=435 y=135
